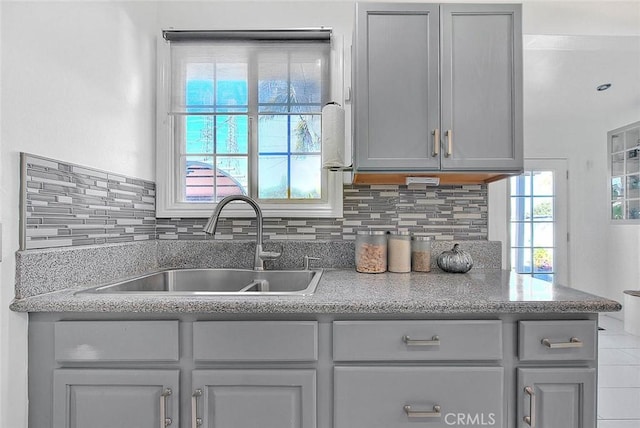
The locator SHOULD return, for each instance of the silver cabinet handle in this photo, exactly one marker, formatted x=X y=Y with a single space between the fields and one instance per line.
x=449 y=143
x=530 y=420
x=435 y=413
x=164 y=420
x=574 y=342
x=195 y=420
x=434 y=341
x=436 y=142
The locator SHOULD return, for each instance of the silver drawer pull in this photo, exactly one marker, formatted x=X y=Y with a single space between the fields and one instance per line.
x=422 y=414
x=530 y=420
x=435 y=341
x=195 y=420
x=574 y=342
x=164 y=420
x=449 y=143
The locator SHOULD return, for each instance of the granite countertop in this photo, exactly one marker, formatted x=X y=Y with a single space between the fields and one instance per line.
x=344 y=291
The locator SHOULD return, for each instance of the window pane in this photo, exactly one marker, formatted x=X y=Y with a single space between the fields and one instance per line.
x=273 y=81
x=232 y=134
x=305 y=81
x=543 y=234
x=633 y=186
x=273 y=177
x=231 y=89
x=305 y=133
x=520 y=209
x=199 y=133
x=199 y=85
x=617 y=164
x=543 y=183
x=617 y=143
x=272 y=133
x=543 y=260
x=521 y=185
x=232 y=177
x=632 y=138
x=617 y=187
x=520 y=234
x=633 y=209
x=199 y=179
x=542 y=209
x=617 y=210
x=633 y=164
x=306 y=179
x=521 y=260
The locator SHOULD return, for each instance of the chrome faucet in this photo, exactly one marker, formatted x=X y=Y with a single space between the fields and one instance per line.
x=260 y=255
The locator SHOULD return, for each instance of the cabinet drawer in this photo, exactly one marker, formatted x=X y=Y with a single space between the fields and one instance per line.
x=417 y=340
x=84 y=341
x=255 y=341
x=377 y=397
x=557 y=340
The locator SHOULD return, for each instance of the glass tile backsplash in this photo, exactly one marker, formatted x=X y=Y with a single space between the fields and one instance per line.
x=68 y=205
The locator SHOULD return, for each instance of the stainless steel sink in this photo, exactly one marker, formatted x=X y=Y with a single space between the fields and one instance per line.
x=216 y=282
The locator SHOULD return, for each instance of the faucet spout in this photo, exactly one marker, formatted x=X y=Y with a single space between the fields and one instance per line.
x=212 y=224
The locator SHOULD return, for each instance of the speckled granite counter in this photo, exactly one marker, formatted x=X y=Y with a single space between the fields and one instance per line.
x=348 y=292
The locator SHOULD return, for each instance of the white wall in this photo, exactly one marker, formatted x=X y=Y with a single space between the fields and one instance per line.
x=77 y=83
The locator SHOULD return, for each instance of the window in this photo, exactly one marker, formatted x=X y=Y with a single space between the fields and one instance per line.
x=538 y=221
x=624 y=173
x=242 y=115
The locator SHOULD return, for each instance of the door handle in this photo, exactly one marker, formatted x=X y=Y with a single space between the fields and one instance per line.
x=195 y=420
x=530 y=420
x=436 y=142
x=164 y=397
x=449 y=143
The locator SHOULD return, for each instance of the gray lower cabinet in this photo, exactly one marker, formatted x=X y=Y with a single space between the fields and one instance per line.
x=253 y=398
x=507 y=372
x=108 y=398
x=556 y=397
x=382 y=397
x=438 y=87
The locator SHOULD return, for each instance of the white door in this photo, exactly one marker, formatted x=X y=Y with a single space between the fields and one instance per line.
x=538 y=221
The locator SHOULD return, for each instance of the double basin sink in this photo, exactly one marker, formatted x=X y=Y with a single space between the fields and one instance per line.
x=216 y=282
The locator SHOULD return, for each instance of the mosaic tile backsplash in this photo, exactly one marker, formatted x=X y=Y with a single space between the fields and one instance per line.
x=70 y=205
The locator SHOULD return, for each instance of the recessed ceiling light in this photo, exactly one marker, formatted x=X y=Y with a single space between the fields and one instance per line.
x=604 y=87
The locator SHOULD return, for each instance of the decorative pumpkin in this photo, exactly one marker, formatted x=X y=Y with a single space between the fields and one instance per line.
x=455 y=261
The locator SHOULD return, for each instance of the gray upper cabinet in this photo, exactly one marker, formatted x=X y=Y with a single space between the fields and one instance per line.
x=396 y=86
x=438 y=88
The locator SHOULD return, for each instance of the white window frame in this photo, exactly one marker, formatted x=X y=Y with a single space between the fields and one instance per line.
x=169 y=180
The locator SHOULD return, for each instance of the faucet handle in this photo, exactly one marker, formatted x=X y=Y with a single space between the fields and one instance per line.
x=307 y=259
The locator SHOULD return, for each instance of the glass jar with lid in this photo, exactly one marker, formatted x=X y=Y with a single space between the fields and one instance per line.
x=399 y=251
x=421 y=254
x=371 y=251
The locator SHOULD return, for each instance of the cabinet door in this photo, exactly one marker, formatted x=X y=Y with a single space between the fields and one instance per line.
x=481 y=87
x=557 y=398
x=254 y=398
x=396 y=86
x=92 y=398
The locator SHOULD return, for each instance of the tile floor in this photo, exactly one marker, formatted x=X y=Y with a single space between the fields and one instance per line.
x=618 y=376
